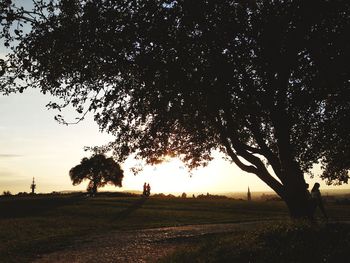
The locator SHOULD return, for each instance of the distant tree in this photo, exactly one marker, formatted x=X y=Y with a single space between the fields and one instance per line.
x=264 y=81
x=184 y=195
x=6 y=193
x=160 y=195
x=99 y=170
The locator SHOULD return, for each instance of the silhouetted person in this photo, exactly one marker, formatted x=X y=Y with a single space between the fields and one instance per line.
x=316 y=200
x=144 y=189
x=148 y=190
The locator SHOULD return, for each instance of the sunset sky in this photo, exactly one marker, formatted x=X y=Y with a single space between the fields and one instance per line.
x=33 y=144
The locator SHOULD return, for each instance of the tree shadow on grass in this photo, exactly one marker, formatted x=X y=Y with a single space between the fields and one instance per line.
x=35 y=205
x=133 y=207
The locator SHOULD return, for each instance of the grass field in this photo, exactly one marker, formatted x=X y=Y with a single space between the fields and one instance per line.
x=282 y=242
x=34 y=225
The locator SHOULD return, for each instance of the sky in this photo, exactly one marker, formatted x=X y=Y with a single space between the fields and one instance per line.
x=33 y=144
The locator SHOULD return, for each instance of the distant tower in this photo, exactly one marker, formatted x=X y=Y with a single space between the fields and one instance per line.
x=249 y=196
x=33 y=186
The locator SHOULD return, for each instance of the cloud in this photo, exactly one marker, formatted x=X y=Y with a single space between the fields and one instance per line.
x=4 y=155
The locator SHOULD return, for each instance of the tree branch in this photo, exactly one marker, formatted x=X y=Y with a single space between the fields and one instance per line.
x=230 y=141
x=266 y=151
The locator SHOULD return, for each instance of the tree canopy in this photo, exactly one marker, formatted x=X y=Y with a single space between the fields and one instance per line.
x=265 y=82
x=99 y=170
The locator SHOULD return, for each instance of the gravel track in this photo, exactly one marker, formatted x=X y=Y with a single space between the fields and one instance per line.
x=147 y=245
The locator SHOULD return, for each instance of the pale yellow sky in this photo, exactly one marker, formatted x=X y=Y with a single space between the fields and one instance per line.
x=33 y=144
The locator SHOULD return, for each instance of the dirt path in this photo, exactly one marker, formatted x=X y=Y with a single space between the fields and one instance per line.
x=146 y=245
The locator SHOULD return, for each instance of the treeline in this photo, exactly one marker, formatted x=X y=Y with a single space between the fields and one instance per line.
x=184 y=195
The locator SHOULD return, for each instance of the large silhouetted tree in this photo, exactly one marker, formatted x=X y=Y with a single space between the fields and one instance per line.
x=265 y=82
x=99 y=171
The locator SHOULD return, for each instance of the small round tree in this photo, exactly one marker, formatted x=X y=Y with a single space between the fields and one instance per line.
x=99 y=170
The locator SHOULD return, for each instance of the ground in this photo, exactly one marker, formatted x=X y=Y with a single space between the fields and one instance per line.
x=147 y=245
x=73 y=228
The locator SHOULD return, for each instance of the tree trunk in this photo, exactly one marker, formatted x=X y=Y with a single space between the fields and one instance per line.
x=296 y=194
x=94 y=188
x=298 y=204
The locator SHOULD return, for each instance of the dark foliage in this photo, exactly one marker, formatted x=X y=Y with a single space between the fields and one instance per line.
x=99 y=170
x=265 y=82
x=6 y=193
x=210 y=196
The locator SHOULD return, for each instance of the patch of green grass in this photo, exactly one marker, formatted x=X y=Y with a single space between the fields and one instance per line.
x=285 y=242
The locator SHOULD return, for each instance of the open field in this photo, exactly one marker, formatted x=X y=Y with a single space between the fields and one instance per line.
x=35 y=225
